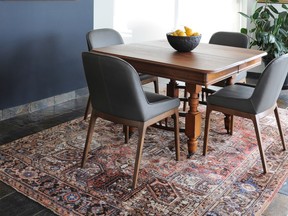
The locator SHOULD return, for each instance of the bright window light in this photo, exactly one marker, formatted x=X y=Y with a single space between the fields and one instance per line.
x=143 y=20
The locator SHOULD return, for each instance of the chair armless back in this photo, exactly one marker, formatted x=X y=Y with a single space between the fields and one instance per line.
x=114 y=86
x=270 y=83
x=103 y=37
x=234 y=39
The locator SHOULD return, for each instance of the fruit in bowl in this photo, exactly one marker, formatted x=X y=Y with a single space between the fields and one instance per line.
x=184 y=41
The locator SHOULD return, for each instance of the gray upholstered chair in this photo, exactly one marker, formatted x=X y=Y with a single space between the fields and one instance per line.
x=107 y=37
x=234 y=39
x=249 y=102
x=117 y=95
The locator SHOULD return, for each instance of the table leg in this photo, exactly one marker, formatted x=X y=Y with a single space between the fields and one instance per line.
x=228 y=119
x=172 y=89
x=193 y=118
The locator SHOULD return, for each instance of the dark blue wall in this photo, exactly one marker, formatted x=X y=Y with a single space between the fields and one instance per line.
x=40 y=48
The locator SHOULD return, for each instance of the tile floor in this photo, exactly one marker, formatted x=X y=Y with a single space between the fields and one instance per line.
x=13 y=203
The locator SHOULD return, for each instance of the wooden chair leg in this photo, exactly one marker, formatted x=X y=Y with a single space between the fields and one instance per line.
x=88 y=138
x=142 y=131
x=207 y=128
x=176 y=135
x=259 y=141
x=126 y=133
x=88 y=108
x=203 y=98
x=227 y=123
x=185 y=102
x=156 y=86
x=279 y=127
x=166 y=122
x=231 y=125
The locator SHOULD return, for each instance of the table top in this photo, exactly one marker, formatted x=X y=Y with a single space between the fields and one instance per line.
x=206 y=64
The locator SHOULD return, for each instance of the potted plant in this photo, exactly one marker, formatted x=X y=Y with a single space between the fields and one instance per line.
x=268 y=30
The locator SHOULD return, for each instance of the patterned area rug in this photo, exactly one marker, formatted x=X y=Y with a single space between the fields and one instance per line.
x=228 y=181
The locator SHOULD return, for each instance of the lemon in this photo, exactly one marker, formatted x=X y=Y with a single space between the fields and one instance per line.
x=195 y=34
x=188 y=31
x=174 y=34
x=178 y=31
x=182 y=33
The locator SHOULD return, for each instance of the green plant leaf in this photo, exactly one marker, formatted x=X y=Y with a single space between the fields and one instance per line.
x=285 y=21
x=268 y=29
x=252 y=30
x=279 y=21
x=283 y=32
x=266 y=26
x=253 y=43
x=282 y=15
x=272 y=8
x=255 y=15
x=244 y=31
x=278 y=47
x=270 y=13
x=284 y=6
x=245 y=15
x=265 y=14
x=259 y=9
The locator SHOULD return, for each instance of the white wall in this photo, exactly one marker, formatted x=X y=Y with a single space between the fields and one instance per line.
x=210 y=16
x=141 y=20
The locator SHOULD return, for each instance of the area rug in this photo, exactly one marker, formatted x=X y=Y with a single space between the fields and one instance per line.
x=227 y=181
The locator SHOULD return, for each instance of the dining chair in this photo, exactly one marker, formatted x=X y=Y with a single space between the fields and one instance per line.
x=103 y=37
x=234 y=39
x=117 y=95
x=249 y=102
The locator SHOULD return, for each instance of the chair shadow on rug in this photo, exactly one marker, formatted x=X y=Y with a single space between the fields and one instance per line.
x=252 y=103
x=117 y=95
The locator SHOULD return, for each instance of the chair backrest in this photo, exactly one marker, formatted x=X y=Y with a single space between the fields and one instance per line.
x=234 y=39
x=114 y=86
x=103 y=37
x=270 y=83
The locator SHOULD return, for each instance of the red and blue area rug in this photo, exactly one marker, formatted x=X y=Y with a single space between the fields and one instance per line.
x=228 y=181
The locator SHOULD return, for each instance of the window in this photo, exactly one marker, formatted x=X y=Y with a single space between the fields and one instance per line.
x=142 y=20
x=209 y=16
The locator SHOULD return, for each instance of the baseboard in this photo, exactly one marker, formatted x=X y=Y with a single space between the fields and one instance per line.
x=41 y=104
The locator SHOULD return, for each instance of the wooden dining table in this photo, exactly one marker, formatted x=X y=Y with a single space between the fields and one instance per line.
x=207 y=64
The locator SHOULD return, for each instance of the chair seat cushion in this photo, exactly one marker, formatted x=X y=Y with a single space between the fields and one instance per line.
x=235 y=97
